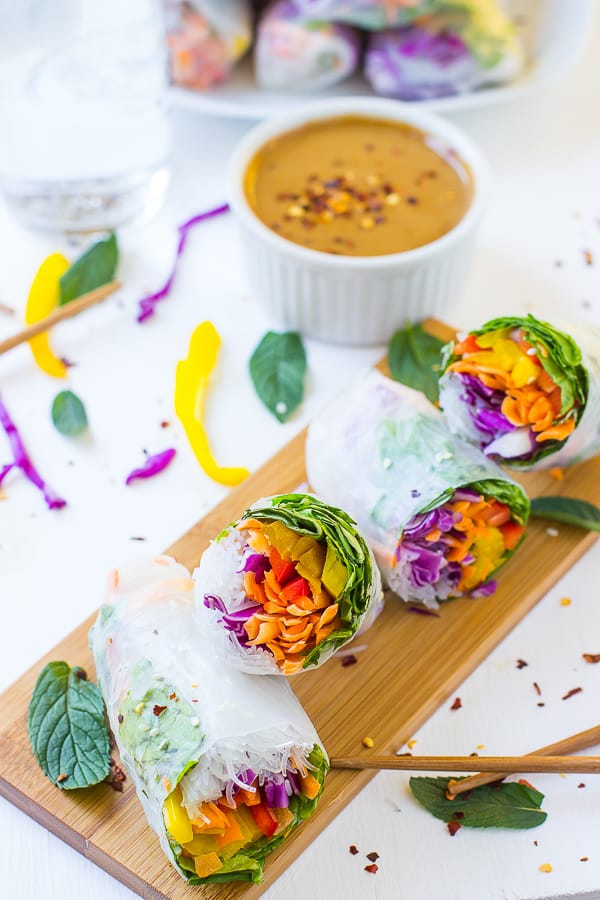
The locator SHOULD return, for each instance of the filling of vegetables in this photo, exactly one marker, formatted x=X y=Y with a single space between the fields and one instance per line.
x=291 y=583
x=513 y=402
x=452 y=550
x=223 y=827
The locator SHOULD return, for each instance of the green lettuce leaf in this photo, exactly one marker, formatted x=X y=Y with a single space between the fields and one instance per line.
x=328 y=525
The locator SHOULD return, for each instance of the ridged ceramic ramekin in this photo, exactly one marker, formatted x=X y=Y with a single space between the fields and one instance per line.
x=353 y=299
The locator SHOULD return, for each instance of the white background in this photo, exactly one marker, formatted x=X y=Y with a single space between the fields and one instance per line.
x=545 y=211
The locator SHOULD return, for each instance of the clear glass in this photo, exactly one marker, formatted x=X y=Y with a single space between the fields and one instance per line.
x=84 y=132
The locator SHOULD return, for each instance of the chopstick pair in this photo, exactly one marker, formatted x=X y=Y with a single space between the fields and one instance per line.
x=491 y=768
x=58 y=315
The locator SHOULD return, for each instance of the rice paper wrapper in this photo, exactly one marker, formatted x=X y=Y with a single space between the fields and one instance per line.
x=293 y=54
x=434 y=59
x=224 y=607
x=574 y=353
x=382 y=451
x=180 y=715
x=205 y=39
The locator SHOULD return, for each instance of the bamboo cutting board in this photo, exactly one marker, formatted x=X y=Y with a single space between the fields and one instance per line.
x=420 y=659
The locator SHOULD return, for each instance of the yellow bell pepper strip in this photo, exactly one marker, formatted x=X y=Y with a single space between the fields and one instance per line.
x=191 y=384
x=43 y=298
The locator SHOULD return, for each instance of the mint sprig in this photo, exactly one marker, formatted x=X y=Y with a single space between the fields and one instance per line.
x=97 y=266
x=567 y=509
x=277 y=369
x=414 y=358
x=67 y=728
x=68 y=414
x=498 y=805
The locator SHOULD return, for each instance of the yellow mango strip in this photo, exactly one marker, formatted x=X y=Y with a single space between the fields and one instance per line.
x=191 y=385
x=43 y=298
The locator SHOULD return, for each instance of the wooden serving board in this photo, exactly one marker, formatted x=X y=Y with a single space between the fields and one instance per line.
x=413 y=663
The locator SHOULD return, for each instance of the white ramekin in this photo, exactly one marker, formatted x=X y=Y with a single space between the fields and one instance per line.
x=349 y=299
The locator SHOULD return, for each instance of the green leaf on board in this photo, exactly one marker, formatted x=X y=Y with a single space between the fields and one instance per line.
x=67 y=728
x=68 y=414
x=499 y=805
x=277 y=369
x=414 y=358
x=97 y=266
x=569 y=510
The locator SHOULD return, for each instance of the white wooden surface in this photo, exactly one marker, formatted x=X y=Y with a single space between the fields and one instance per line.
x=545 y=211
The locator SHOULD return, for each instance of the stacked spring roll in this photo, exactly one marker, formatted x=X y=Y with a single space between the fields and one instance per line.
x=525 y=391
x=287 y=585
x=444 y=54
x=205 y=39
x=440 y=517
x=293 y=53
x=224 y=764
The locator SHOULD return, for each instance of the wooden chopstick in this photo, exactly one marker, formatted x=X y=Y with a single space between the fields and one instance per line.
x=494 y=764
x=580 y=741
x=59 y=314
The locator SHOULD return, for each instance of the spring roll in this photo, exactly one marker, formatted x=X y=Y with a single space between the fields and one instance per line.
x=441 y=56
x=287 y=585
x=225 y=765
x=527 y=392
x=205 y=39
x=372 y=15
x=440 y=517
x=293 y=54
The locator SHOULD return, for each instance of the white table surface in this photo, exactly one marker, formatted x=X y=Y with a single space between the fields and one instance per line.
x=545 y=211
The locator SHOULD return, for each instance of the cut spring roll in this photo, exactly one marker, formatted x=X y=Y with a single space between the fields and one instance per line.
x=440 y=517
x=293 y=54
x=225 y=765
x=527 y=392
x=287 y=585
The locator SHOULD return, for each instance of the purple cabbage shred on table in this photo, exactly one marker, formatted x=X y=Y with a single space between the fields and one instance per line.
x=23 y=462
x=152 y=466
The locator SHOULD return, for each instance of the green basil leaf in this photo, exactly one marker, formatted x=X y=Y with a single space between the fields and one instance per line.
x=67 y=728
x=499 y=805
x=569 y=510
x=68 y=414
x=277 y=369
x=96 y=267
x=414 y=358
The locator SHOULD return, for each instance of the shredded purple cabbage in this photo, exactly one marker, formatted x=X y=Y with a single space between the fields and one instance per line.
x=152 y=465
x=147 y=305
x=483 y=405
x=24 y=463
x=485 y=590
x=234 y=621
x=257 y=563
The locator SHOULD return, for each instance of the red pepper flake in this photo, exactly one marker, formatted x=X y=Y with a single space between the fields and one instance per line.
x=572 y=693
x=164 y=424
x=527 y=783
x=581 y=784
x=537 y=688
x=535 y=843
x=172 y=696
x=591 y=657
x=423 y=612
x=61 y=777
x=373 y=868
x=7 y=310
x=458 y=814
x=353 y=849
x=137 y=538
x=80 y=673
x=157 y=710
x=457 y=704
x=116 y=777
x=588 y=257
x=541 y=704
x=583 y=858
x=453 y=827
x=521 y=664
x=373 y=857
x=349 y=659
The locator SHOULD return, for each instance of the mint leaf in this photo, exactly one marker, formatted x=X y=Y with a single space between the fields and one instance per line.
x=277 y=369
x=569 y=510
x=414 y=358
x=67 y=729
x=68 y=414
x=499 y=805
x=97 y=266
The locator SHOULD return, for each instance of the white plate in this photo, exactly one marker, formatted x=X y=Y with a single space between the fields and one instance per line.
x=553 y=32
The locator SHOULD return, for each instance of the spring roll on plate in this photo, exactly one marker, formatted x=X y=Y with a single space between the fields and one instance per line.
x=440 y=517
x=224 y=764
x=293 y=54
x=287 y=585
x=527 y=392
